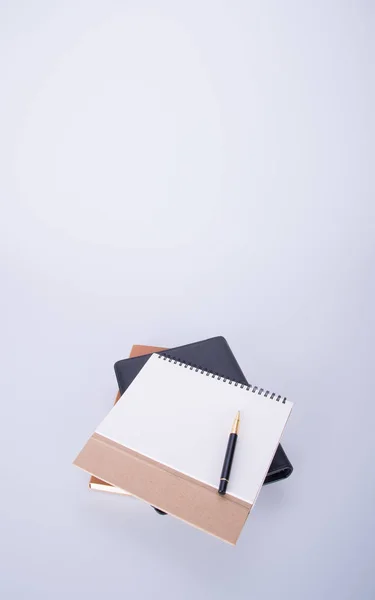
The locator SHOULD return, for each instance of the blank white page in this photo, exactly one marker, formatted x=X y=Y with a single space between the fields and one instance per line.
x=182 y=418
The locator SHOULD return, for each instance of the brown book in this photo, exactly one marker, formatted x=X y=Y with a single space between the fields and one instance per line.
x=98 y=484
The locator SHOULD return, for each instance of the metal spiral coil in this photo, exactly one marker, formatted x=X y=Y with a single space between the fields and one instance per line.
x=248 y=387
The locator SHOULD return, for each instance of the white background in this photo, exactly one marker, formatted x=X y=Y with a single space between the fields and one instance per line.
x=172 y=171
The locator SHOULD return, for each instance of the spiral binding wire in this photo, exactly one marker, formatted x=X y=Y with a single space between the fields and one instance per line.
x=248 y=387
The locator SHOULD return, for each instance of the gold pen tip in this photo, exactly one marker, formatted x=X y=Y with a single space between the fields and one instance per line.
x=236 y=423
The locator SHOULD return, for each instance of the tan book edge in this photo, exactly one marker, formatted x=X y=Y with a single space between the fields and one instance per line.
x=98 y=484
x=182 y=496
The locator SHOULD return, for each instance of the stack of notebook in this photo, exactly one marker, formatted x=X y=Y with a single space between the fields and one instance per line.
x=164 y=439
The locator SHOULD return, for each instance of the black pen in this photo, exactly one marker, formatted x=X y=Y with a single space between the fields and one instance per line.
x=229 y=455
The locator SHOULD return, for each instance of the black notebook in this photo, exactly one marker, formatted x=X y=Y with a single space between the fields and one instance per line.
x=212 y=355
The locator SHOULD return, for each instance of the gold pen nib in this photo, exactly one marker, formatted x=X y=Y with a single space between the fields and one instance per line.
x=236 y=423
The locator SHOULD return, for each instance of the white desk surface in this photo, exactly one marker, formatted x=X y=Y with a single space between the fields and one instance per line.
x=170 y=172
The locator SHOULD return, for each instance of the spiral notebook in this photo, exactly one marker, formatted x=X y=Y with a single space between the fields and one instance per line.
x=164 y=442
x=215 y=355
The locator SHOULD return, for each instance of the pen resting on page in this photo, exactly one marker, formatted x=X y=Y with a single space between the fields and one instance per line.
x=228 y=459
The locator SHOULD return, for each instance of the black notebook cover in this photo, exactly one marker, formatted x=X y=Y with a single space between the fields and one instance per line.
x=212 y=355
